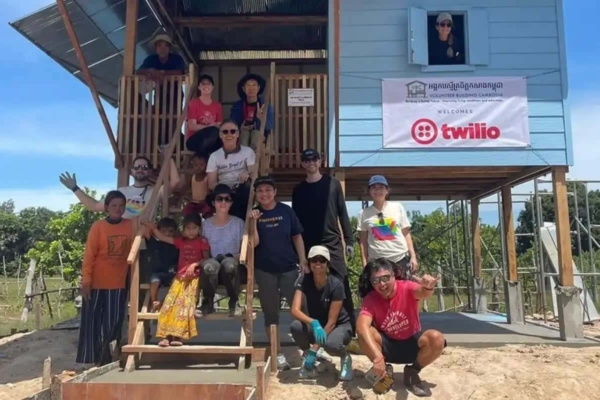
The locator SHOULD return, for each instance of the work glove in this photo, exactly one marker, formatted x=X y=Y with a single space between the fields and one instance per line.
x=319 y=332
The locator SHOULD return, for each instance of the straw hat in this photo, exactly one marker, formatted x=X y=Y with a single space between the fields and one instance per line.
x=162 y=36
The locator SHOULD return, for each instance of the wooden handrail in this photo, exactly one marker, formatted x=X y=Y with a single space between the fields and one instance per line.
x=247 y=242
x=151 y=205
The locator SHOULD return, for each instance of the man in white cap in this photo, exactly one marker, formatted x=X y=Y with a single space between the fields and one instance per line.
x=163 y=62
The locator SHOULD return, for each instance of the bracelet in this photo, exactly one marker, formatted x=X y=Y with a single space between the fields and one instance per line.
x=75 y=188
x=426 y=288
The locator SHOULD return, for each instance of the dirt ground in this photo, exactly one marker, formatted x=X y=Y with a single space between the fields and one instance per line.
x=509 y=372
x=22 y=357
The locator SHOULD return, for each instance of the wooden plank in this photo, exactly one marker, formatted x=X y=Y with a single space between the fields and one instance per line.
x=83 y=66
x=134 y=293
x=47 y=373
x=336 y=78
x=260 y=381
x=509 y=228
x=274 y=345
x=217 y=316
x=563 y=234
x=131 y=26
x=476 y=232
x=241 y=361
x=235 y=350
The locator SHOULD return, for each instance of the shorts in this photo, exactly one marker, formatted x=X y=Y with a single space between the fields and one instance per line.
x=202 y=208
x=401 y=351
x=401 y=269
x=163 y=278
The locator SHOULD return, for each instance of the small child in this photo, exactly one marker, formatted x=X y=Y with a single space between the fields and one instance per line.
x=165 y=258
x=199 y=182
x=176 y=319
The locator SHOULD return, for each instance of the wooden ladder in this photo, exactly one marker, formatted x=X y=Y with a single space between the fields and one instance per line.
x=139 y=317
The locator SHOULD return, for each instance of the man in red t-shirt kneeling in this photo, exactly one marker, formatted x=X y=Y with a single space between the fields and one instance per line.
x=388 y=325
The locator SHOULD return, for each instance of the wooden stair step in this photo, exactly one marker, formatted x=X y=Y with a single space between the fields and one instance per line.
x=216 y=316
x=189 y=349
x=221 y=290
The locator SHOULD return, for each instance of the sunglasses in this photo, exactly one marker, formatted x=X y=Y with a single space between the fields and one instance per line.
x=381 y=279
x=229 y=131
x=445 y=24
x=318 y=259
x=141 y=167
x=221 y=199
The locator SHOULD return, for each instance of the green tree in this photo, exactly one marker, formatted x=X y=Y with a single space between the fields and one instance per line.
x=526 y=223
x=69 y=232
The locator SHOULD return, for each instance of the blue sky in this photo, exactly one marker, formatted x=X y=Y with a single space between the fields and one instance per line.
x=50 y=123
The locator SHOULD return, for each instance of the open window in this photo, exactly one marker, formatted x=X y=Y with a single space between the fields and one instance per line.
x=456 y=40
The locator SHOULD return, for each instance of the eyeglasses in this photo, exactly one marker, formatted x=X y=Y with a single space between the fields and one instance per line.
x=318 y=259
x=381 y=219
x=141 y=167
x=229 y=131
x=381 y=279
x=221 y=199
x=445 y=24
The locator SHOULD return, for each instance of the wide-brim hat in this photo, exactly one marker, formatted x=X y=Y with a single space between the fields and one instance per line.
x=261 y=82
x=220 y=189
x=162 y=36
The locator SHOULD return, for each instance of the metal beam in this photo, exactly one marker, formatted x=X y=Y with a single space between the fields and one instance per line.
x=237 y=21
x=88 y=78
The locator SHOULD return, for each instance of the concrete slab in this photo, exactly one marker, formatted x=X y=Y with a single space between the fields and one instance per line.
x=189 y=375
x=460 y=329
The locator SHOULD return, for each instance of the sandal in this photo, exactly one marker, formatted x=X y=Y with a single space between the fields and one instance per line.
x=156 y=306
x=164 y=343
x=176 y=343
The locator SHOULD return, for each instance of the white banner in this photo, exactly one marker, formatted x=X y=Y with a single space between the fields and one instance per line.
x=455 y=112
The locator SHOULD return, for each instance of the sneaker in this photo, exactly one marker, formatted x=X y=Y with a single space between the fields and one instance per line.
x=346 y=373
x=306 y=373
x=322 y=356
x=204 y=310
x=235 y=311
x=282 y=363
x=413 y=382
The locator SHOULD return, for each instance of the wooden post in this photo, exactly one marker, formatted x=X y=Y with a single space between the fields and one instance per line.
x=131 y=26
x=563 y=234
x=47 y=373
x=336 y=78
x=28 y=290
x=476 y=228
x=509 y=229
x=88 y=79
x=274 y=347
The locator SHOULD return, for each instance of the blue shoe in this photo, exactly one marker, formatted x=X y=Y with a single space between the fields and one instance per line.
x=307 y=372
x=346 y=373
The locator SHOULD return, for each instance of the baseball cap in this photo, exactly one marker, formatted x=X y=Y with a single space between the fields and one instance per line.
x=319 y=251
x=310 y=154
x=378 y=179
x=264 y=180
x=443 y=17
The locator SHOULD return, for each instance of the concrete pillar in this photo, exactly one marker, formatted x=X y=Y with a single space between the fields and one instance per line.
x=570 y=312
x=479 y=295
x=513 y=297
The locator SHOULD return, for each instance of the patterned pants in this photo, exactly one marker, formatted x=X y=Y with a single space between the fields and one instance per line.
x=176 y=316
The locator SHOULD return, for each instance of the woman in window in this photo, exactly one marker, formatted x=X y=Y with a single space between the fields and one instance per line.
x=385 y=230
x=444 y=48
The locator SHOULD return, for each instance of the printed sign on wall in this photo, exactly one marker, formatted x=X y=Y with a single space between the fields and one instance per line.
x=301 y=97
x=455 y=112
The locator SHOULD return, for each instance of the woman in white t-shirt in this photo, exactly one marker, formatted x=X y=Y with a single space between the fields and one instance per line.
x=385 y=230
x=232 y=165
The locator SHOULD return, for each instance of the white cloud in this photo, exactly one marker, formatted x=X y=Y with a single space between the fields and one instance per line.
x=56 y=198
x=52 y=146
x=585 y=122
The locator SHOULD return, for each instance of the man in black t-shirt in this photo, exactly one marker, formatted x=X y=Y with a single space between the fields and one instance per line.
x=277 y=255
x=327 y=324
x=319 y=203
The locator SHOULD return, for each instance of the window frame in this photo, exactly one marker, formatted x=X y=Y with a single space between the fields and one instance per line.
x=469 y=15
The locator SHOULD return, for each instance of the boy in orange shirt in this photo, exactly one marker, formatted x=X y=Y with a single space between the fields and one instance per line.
x=103 y=286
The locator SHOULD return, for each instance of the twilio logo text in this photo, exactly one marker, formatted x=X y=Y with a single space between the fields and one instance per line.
x=424 y=131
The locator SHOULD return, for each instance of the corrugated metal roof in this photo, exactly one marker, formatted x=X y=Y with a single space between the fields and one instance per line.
x=245 y=7
x=262 y=37
x=264 y=55
x=99 y=25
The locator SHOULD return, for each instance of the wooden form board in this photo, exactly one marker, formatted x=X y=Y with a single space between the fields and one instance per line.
x=563 y=228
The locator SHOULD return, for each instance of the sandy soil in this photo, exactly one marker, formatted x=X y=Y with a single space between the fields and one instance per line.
x=509 y=372
x=22 y=357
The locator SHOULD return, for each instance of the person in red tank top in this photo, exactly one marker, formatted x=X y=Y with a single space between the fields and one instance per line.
x=204 y=117
x=388 y=326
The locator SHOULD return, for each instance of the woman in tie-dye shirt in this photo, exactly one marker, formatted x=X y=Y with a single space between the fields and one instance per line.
x=385 y=230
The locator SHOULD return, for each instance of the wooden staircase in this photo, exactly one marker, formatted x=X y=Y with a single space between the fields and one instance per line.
x=139 y=315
